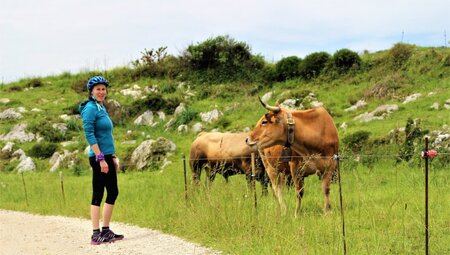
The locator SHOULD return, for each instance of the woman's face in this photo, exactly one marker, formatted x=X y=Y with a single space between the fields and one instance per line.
x=99 y=92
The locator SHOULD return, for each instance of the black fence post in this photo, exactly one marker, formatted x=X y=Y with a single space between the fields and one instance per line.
x=61 y=177
x=24 y=188
x=338 y=169
x=185 y=178
x=426 y=196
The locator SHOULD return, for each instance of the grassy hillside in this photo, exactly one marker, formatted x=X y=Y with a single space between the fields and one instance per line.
x=383 y=199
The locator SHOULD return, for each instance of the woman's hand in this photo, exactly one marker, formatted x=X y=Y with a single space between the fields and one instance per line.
x=104 y=167
x=116 y=164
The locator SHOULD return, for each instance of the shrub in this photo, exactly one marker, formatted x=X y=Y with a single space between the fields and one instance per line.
x=413 y=134
x=74 y=124
x=43 y=150
x=154 y=102
x=220 y=59
x=185 y=117
x=399 y=54
x=446 y=61
x=313 y=64
x=356 y=141
x=15 y=88
x=287 y=68
x=388 y=87
x=34 y=83
x=344 y=60
x=49 y=133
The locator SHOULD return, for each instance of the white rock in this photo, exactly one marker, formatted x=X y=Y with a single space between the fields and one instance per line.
x=145 y=119
x=412 y=98
x=18 y=133
x=210 y=116
x=182 y=128
x=316 y=104
x=359 y=104
x=181 y=108
x=20 y=154
x=8 y=148
x=65 y=117
x=10 y=114
x=435 y=106
x=26 y=164
x=161 y=115
x=378 y=114
x=4 y=100
x=21 y=109
x=197 y=127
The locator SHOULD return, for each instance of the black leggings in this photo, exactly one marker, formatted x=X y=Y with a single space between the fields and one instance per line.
x=100 y=181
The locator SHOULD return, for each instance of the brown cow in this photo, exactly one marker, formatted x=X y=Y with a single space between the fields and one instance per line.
x=224 y=153
x=311 y=134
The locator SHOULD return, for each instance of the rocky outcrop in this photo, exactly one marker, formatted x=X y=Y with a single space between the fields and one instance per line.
x=211 y=116
x=151 y=153
x=10 y=114
x=18 y=133
x=379 y=113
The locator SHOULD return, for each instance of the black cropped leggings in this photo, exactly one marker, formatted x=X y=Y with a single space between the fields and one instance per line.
x=100 y=181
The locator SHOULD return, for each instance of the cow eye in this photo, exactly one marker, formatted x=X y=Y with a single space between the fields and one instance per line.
x=264 y=122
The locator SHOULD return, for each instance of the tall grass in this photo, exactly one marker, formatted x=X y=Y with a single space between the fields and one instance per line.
x=384 y=210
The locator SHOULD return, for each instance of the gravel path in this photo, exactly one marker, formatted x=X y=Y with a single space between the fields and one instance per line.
x=24 y=233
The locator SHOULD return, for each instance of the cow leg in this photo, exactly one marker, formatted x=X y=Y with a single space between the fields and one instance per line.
x=326 y=188
x=275 y=181
x=297 y=178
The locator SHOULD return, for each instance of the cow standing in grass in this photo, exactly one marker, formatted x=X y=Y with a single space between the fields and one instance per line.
x=311 y=134
x=226 y=154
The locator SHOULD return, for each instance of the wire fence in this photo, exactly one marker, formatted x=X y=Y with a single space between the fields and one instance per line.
x=426 y=154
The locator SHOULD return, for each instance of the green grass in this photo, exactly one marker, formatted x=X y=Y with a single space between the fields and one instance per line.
x=384 y=210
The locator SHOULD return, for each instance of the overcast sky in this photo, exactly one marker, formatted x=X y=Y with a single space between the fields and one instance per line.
x=44 y=37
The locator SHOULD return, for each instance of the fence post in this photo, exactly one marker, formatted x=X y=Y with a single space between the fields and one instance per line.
x=253 y=178
x=24 y=188
x=185 y=178
x=61 y=177
x=426 y=197
x=338 y=169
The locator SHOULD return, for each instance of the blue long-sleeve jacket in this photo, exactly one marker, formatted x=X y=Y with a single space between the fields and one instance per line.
x=98 y=127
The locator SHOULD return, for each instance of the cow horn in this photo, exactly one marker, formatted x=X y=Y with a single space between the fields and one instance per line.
x=268 y=107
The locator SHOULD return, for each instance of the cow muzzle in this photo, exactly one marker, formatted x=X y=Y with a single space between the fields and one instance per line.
x=250 y=143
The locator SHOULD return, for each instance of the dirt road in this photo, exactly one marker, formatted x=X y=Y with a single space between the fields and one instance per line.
x=24 y=233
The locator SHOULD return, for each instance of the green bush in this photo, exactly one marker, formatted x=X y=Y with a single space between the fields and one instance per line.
x=356 y=141
x=344 y=60
x=288 y=68
x=34 y=83
x=185 y=117
x=154 y=102
x=74 y=124
x=313 y=64
x=43 y=150
x=400 y=54
x=220 y=59
x=46 y=130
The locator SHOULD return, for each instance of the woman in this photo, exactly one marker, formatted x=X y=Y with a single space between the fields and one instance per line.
x=98 y=131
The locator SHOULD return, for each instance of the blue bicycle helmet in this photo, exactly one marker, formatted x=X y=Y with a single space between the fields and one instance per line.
x=96 y=80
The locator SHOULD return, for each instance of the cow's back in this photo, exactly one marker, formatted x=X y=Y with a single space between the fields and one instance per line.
x=316 y=132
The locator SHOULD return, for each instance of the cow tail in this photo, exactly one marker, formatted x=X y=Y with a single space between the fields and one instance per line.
x=195 y=165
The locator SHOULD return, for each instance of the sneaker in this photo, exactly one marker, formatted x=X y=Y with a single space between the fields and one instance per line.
x=99 y=238
x=109 y=234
